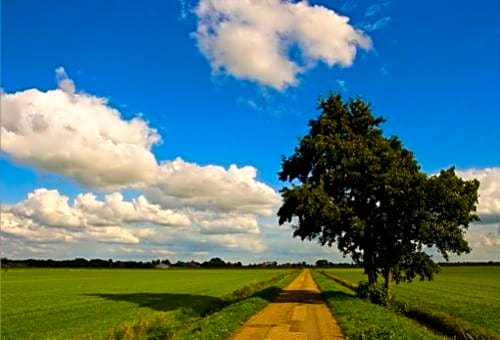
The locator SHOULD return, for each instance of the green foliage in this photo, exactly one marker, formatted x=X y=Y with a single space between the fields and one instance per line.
x=351 y=185
x=88 y=303
x=375 y=293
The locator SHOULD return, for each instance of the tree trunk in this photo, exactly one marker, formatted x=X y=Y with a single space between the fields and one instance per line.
x=387 y=273
x=372 y=277
x=370 y=269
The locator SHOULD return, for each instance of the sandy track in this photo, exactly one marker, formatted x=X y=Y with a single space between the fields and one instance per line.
x=298 y=313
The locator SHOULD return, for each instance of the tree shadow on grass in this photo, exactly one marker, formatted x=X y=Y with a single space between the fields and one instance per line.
x=337 y=295
x=199 y=304
x=269 y=293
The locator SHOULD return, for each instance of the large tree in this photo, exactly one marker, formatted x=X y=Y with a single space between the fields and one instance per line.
x=352 y=186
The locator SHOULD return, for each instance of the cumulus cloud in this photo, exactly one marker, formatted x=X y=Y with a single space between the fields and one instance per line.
x=26 y=228
x=115 y=210
x=113 y=234
x=227 y=224
x=50 y=208
x=80 y=136
x=251 y=39
x=491 y=239
x=77 y=135
x=201 y=187
x=489 y=192
x=247 y=243
x=47 y=216
x=31 y=231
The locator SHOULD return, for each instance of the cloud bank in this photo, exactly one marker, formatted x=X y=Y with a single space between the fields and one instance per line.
x=252 y=39
x=78 y=135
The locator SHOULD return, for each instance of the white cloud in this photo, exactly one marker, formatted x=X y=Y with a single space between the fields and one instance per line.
x=32 y=231
x=50 y=208
x=378 y=24
x=114 y=210
x=113 y=234
x=376 y=8
x=80 y=136
x=17 y=248
x=489 y=192
x=214 y=187
x=228 y=224
x=21 y=227
x=246 y=243
x=251 y=39
x=491 y=239
x=46 y=216
x=77 y=135
x=64 y=82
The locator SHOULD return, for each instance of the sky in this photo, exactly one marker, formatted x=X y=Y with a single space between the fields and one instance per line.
x=135 y=130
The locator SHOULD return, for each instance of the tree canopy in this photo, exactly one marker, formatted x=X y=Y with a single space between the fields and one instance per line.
x=352 y=186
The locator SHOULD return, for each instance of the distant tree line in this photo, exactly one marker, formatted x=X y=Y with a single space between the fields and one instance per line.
x=215 y=262
x=327 y=264
x=470 y=264
x=77 y=263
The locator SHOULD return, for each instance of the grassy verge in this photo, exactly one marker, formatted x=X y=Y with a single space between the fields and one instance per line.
x=361 y=319
x=469 y=293
x=217 y=321
x=439 y=321
x=445 y=323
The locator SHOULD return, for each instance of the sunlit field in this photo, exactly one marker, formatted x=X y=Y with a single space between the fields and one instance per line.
x=469 y=293
x=88 y=303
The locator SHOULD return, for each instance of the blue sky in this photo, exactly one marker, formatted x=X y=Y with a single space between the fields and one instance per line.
x=430 y=67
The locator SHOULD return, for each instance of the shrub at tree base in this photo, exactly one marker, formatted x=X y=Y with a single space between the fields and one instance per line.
x=375 y=293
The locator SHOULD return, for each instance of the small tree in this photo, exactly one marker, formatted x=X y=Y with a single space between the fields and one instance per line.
x=351 y=185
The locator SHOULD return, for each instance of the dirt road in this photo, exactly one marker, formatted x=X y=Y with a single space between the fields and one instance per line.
x=298 y=313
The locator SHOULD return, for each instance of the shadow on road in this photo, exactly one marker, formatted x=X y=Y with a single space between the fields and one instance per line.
x=299 y=296
x=337 y=295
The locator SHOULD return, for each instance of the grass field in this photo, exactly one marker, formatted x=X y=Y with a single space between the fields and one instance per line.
x=88 y=303
x=469 y=293
x=361 y=319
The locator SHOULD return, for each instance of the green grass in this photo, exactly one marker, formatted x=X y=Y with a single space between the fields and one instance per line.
x=469 y=293
x=88 y=303
x=360 y=319
x=222 y=324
